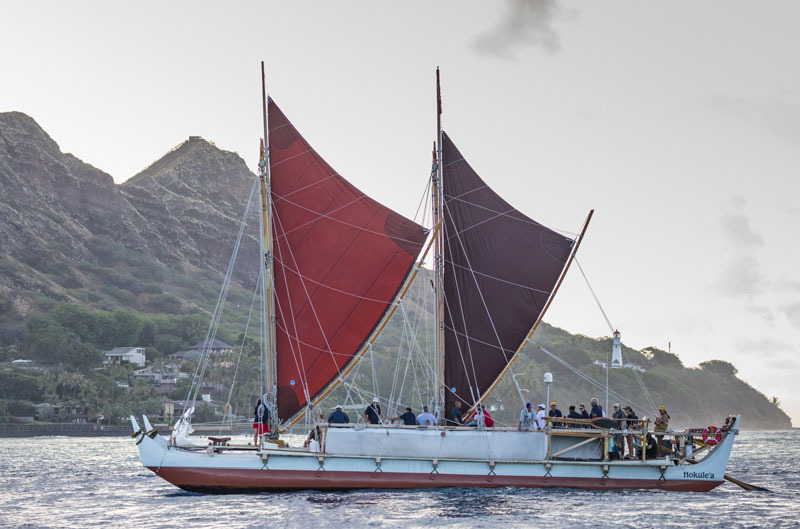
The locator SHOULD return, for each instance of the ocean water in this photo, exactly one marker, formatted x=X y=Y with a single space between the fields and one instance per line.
x=51 y=482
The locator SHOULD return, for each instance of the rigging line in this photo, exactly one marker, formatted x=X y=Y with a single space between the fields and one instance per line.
x=473 y=339
x=423 y=198
x=484 y=221
x=338 y=291
x=397 y=363
x=282 y=125
x=314 y=312
x=319 y=215
x=312 y=184
x=355 y=226
x=592 y=381
x=222 y=294
x=643 y=388
x=292 y=157
x=524 y=219
x=297 y=355
x=453 y=162
x=307 y=344
x=488 y=276
x=596 y=300
x=465 y=193
x=458 y=342
x=414 y=347
x=244 y=337
x=215 y=321
x=374 y=375
x=477 y=287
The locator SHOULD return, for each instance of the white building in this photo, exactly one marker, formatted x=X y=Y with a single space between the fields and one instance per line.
x=119 y=355
x=216 y=347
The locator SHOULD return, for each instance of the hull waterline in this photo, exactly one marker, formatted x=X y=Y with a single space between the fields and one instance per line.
x=231 y=481
x=228 y=470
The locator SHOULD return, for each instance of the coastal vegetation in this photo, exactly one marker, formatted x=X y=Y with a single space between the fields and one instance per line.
x=87 y=265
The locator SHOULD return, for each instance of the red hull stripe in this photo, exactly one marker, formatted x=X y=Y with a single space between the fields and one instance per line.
x=247 y=480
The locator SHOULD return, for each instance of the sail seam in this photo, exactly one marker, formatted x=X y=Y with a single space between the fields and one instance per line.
x=361 y=228
x=499 y=279
x=279 y=198
x=497 y=213
x=344 y=292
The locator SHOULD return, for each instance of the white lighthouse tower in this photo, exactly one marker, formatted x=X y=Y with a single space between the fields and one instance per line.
x=616 y=351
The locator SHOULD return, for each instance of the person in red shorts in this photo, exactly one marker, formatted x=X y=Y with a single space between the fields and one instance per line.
x=260 y=422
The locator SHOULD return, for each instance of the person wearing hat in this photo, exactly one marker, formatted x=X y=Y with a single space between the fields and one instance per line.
x=526 y=417
x=597 y=409
x=373 y=412
x=661 y=425
x=426 y=418
x=619 y=417
x=632 y=421
x=555 y=414
x=408 y=418
x=338 y=416
x=540 y=417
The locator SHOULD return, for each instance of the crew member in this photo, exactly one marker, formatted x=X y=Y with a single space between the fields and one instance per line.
x=260 y=422
x=425 y=418
x=456 y=419
x=338 y=416
x=408 y=418
x=373 y=412
x=526 y=417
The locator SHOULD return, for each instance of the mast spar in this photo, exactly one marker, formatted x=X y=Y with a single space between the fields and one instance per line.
x=438 y=257
x=266 y=228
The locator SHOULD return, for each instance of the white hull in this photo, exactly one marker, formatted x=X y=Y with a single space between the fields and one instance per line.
x=231 y=470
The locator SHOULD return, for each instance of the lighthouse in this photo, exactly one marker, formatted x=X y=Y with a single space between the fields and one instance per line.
x=616 y=351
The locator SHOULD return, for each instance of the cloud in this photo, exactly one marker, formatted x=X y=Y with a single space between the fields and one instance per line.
x=764 y=346
x=525 y=23
x=737 y=229
x=765 y=313
x=792 y=313
x=742 y=277
x=779 y=112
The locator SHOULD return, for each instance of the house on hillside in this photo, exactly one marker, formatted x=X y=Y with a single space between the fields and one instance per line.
x=216 y=347
x=120 y=355
x=165 y=377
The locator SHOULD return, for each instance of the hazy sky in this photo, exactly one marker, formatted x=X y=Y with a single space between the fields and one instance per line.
x=677 y=121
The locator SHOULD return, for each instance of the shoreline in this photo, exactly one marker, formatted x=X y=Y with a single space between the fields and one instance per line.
x=94 y=430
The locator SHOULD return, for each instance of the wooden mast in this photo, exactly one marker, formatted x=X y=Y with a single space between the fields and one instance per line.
x=266 y=229
x=438 y=257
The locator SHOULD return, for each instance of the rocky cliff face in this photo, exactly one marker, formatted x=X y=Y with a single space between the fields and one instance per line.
x=58 y=213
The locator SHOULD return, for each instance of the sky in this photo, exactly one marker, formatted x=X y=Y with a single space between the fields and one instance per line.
x=677 y=122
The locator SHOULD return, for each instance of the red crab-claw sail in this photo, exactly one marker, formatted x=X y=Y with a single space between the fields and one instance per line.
x=500 y=269
x=340 y=259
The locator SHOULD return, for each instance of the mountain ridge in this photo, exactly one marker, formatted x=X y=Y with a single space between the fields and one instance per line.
x=160 y=242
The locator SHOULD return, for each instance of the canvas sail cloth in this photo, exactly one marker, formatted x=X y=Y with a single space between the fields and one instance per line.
x=500 y=268
x=340 y=259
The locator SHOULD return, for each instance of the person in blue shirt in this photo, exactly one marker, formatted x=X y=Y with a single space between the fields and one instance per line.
x=597 y=410
x=408 y=418
x=338 y=416
x=456 y=419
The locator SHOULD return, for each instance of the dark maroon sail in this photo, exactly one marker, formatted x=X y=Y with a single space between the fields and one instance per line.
x=340 y=260
x=500 y=268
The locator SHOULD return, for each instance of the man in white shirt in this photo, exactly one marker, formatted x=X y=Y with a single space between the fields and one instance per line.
x=425 y=418
x=540 y=415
